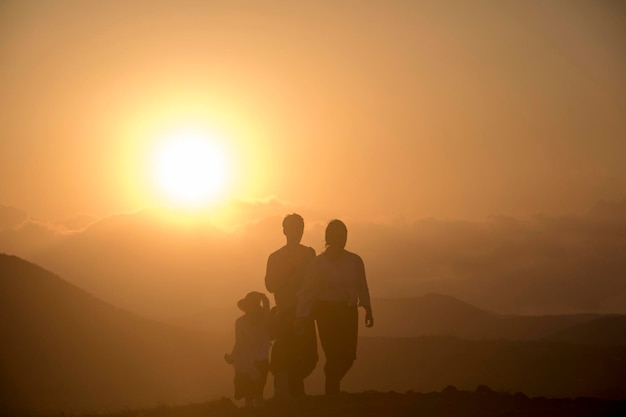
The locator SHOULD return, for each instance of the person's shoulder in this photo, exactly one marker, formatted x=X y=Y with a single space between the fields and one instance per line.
x=278 y=252
x=308 y=250
x=353 y=257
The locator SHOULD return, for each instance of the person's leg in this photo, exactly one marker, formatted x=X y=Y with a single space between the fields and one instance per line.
x=248 y=401
x=348 y=318
x=296 y=385
x=239 y=383
x=337 y=327
x=243 y=388
x=304 y=357
x=294 y=362
x=279 y=364
x=281 y=385
x=259 y=385
x=336 y=367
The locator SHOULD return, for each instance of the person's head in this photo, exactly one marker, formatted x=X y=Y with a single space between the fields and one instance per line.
x=336 y=234
x=251 y=304
x=293 y=228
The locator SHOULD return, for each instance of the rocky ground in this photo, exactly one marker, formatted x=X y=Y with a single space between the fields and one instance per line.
x=449 y=403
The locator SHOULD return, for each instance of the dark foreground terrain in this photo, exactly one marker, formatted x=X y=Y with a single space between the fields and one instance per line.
x=449 y=403
x=64 y=351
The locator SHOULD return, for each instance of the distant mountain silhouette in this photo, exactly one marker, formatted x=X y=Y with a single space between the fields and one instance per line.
x=64 y=349
x=440 y=315
x=431 y=314
x=608 y=330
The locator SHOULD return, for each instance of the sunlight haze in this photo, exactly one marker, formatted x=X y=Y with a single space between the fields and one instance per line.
x=453 y=171
x=441 y=109
x=459 y=141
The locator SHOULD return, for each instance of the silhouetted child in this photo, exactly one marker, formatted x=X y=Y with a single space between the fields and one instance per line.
x=250 y=354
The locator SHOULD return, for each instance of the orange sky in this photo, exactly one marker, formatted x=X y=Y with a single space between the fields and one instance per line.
x=364 y=109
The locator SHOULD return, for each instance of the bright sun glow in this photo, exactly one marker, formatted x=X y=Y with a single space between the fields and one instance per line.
x=189 y=167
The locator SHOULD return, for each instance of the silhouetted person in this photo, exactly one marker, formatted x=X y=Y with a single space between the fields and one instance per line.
x=294 y=356
x=250 y=354
x=334 y=286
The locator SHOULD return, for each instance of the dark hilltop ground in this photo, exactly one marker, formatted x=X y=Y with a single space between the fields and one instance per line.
x=450 y=402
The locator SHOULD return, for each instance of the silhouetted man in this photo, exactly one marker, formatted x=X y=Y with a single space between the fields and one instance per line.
x=294 y=356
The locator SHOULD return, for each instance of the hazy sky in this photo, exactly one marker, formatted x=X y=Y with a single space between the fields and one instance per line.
x=363 y=108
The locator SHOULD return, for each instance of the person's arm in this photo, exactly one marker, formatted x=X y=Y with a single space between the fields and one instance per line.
x=363 y=292
x=271 y=275
x=265 y=303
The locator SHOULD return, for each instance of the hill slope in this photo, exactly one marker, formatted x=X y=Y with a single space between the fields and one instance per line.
x=606 y=330
x=441 y=315
x=64 y=349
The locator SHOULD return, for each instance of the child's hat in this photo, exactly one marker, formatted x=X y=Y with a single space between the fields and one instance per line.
x=250 y=301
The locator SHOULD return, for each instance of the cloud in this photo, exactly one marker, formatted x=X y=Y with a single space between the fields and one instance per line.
x=77 y=222
x=239 y=213
x=29 y=238
x=537 y=265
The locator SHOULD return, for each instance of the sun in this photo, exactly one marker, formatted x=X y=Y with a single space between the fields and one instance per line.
x=189 y=167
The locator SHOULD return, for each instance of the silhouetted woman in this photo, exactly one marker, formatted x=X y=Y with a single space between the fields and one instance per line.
x=334 y=286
